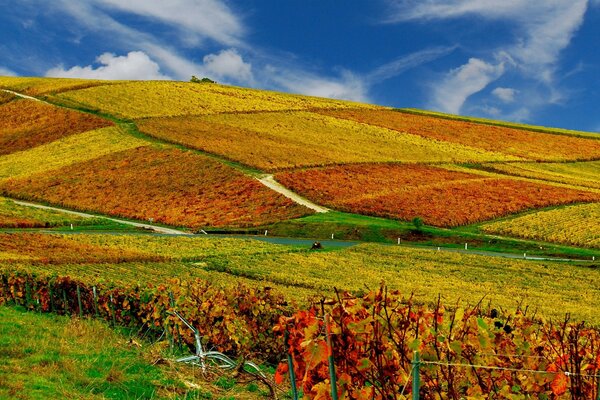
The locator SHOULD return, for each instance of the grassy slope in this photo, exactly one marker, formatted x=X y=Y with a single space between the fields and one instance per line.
x=48 y=356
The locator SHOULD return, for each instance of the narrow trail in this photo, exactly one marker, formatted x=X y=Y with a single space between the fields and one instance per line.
x=155 y=228
x=270 y=182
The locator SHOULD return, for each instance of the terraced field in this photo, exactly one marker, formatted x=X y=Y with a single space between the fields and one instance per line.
x=281 y=140
x=438 y=196
x=141 y=182
x=136 y=100
x=586 y=174
x=25 y=124
x=576 y=225
x=515 y=142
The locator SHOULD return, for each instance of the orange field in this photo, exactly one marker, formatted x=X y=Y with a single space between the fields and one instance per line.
x=6 y=97
x=61 y=249
x=26 y=123
x=439 y=197
x=170 y=186
x=516 y=142
x=35 y=86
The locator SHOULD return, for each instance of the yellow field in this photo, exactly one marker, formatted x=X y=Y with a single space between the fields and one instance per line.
x=66 y=151
x=585 y=174
x=545 y=286
x=577 y=225
x=162 y=99
x=278 y=140
x=41 y=86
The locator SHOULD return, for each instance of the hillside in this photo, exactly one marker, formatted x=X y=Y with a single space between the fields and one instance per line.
x=485 y=231
x=187 y=154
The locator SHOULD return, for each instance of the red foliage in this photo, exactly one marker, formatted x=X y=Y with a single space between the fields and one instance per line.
x=438 y=196
x=26 y=123
x=374 y=338
x=175 y=187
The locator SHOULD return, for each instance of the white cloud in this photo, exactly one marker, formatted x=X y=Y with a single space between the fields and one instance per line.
x=507 y=95
x=135 y=65
x=542 y=30
x=228 y=64
x=346 y=86
x=211 y=19
x=407 y=62
x=7 y=72
x=460 y=83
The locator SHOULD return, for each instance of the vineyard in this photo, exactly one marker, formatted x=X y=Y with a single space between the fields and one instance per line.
x=299 y=273
x=67 y=151
x=296 y=139
x=398 y=191
x=189 y=154
x=26 y=123
x=583 y=174
x=138 y=183
x=514 y=142
x=135 y=100
x=576 y=225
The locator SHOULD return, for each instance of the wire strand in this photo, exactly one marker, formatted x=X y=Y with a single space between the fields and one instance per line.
x=507 y=369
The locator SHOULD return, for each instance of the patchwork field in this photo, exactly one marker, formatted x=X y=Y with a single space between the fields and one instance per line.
x=26 y=123
x=280 y=140
x=138 y=183
x=299 y=273
x=440 y=197
x=515 y=142
x=135 y=100
x=576 y=225
x=585 y=174
x=66 y=151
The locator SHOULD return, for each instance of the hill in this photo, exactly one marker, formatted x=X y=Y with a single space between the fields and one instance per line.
x=107 y=146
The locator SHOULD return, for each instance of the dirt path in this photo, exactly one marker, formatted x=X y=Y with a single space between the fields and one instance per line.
x=155 y=228
x=272 y=184
x=24 y=96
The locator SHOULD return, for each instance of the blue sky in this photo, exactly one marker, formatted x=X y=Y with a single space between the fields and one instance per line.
x=520 y=60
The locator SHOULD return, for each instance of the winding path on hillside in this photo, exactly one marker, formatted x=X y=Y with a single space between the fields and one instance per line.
x=270 y=182
x=155 y=228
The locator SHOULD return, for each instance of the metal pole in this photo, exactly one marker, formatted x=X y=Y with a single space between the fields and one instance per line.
x=291 y=368
x=416 y=384
x=332 y=378
x=95 y=301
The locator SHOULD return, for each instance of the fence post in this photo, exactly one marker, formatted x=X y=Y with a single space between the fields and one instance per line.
x=65 y=303
x=51 y=297
x=112 y=311
x=95 y=301
x=416 y=384
x=332 y=378
x=79 y=302
x=291 y=367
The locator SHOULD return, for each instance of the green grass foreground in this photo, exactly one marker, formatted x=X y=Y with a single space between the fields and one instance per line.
x=45 y=356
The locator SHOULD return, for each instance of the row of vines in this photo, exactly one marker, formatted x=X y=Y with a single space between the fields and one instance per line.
x=474 y=352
